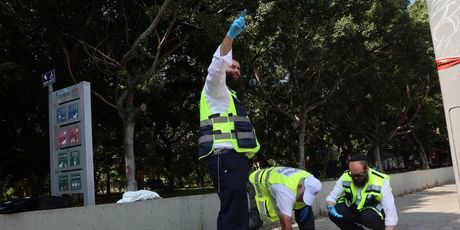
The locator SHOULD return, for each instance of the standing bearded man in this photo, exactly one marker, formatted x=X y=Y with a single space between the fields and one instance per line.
x=227 y=136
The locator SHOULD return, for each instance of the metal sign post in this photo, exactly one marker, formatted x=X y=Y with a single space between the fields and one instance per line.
x=445 y=32
x=48 y=79
x=71 y=145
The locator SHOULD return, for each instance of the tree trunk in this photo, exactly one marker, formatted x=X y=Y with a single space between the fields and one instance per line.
x=181 y=181
x=199 y=179
x=377 y=156
x=128 y=146
x=107 y=180
x=423 y=157
x=127 y=113
x=170 y=178
x=302 y=134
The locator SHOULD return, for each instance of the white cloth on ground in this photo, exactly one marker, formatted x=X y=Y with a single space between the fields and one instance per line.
x=132 y=196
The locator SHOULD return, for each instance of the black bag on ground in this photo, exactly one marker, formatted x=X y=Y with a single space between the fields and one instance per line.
x=19 y=205
x=25 y=204
x=52 y=202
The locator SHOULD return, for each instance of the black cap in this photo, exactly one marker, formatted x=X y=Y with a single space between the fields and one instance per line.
x=358 y=157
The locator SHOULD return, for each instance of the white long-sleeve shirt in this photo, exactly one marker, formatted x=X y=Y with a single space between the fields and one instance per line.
x=387 y=203
x=215 y=88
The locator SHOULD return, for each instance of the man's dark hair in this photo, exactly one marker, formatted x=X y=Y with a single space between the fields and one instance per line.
x=359 y=157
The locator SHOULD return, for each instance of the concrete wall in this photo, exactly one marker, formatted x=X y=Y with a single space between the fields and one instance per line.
x=187 y=213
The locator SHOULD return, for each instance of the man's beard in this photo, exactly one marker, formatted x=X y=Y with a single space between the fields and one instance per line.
x=362 y=182
x=235 y=85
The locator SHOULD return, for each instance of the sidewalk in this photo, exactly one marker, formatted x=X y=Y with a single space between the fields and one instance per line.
x=435 y=208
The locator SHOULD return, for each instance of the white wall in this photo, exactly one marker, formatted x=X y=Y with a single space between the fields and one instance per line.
x=187 y=213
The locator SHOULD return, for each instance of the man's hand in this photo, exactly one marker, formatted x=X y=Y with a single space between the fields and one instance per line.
x=237 y=26
x=333 y=211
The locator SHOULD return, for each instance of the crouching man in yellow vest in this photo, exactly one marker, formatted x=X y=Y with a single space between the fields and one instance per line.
x=275 y=192
x=362 y=197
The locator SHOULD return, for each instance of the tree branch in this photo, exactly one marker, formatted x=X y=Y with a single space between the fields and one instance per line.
x=68 y=64
x=147 y=32
x=165 y=54
x=271 y=101
x=162 y=42
x=105 y=100
x=105 y=56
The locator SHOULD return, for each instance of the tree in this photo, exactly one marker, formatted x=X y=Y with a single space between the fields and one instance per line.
x=384 y=103
x=24 y=161
x=304 y=58
x=318 y=72
x=133 y=54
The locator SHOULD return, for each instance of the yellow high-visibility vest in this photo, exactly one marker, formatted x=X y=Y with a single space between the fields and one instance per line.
x=233 y=126
x=262 y=179
x=371 y=193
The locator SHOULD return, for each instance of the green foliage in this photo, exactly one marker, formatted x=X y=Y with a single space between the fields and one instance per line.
x=350 y=71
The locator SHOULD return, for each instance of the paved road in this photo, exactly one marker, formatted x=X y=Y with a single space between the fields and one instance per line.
x=432 y=209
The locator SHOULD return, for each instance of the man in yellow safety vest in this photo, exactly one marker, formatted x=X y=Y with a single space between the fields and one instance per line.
x=362 y=197
x=227 y=136
x=275 y=192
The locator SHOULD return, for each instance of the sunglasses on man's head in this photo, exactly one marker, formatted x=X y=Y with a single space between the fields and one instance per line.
x=357 y=175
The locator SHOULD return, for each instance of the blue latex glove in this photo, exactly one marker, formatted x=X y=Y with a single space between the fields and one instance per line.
x=334 y=212
x=237 y=26
x=303 y=214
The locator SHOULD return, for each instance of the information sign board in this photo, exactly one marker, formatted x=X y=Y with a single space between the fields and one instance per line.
x=71 y=155
x=48 y=78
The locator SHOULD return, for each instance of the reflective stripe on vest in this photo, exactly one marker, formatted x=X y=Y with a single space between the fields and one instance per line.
x=374 y=188
x=346 y=184
x=213 y=120
x=258 y=178
x=233 y=127
x=244 y=135
x=262 y=180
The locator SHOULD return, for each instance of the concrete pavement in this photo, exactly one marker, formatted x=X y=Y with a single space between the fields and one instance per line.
x=435 y=208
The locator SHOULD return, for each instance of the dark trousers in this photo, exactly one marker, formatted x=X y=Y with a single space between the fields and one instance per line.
x=309 y=222
x=254 y=218
x=369 y=218
x=230 y=171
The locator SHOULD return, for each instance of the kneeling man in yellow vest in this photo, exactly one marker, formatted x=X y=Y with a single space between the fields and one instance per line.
x=362 y=197
x=275 y=192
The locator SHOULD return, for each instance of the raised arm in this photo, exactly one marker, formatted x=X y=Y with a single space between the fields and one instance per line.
x=236 y=28
x=215 y=85
x=226 y=45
